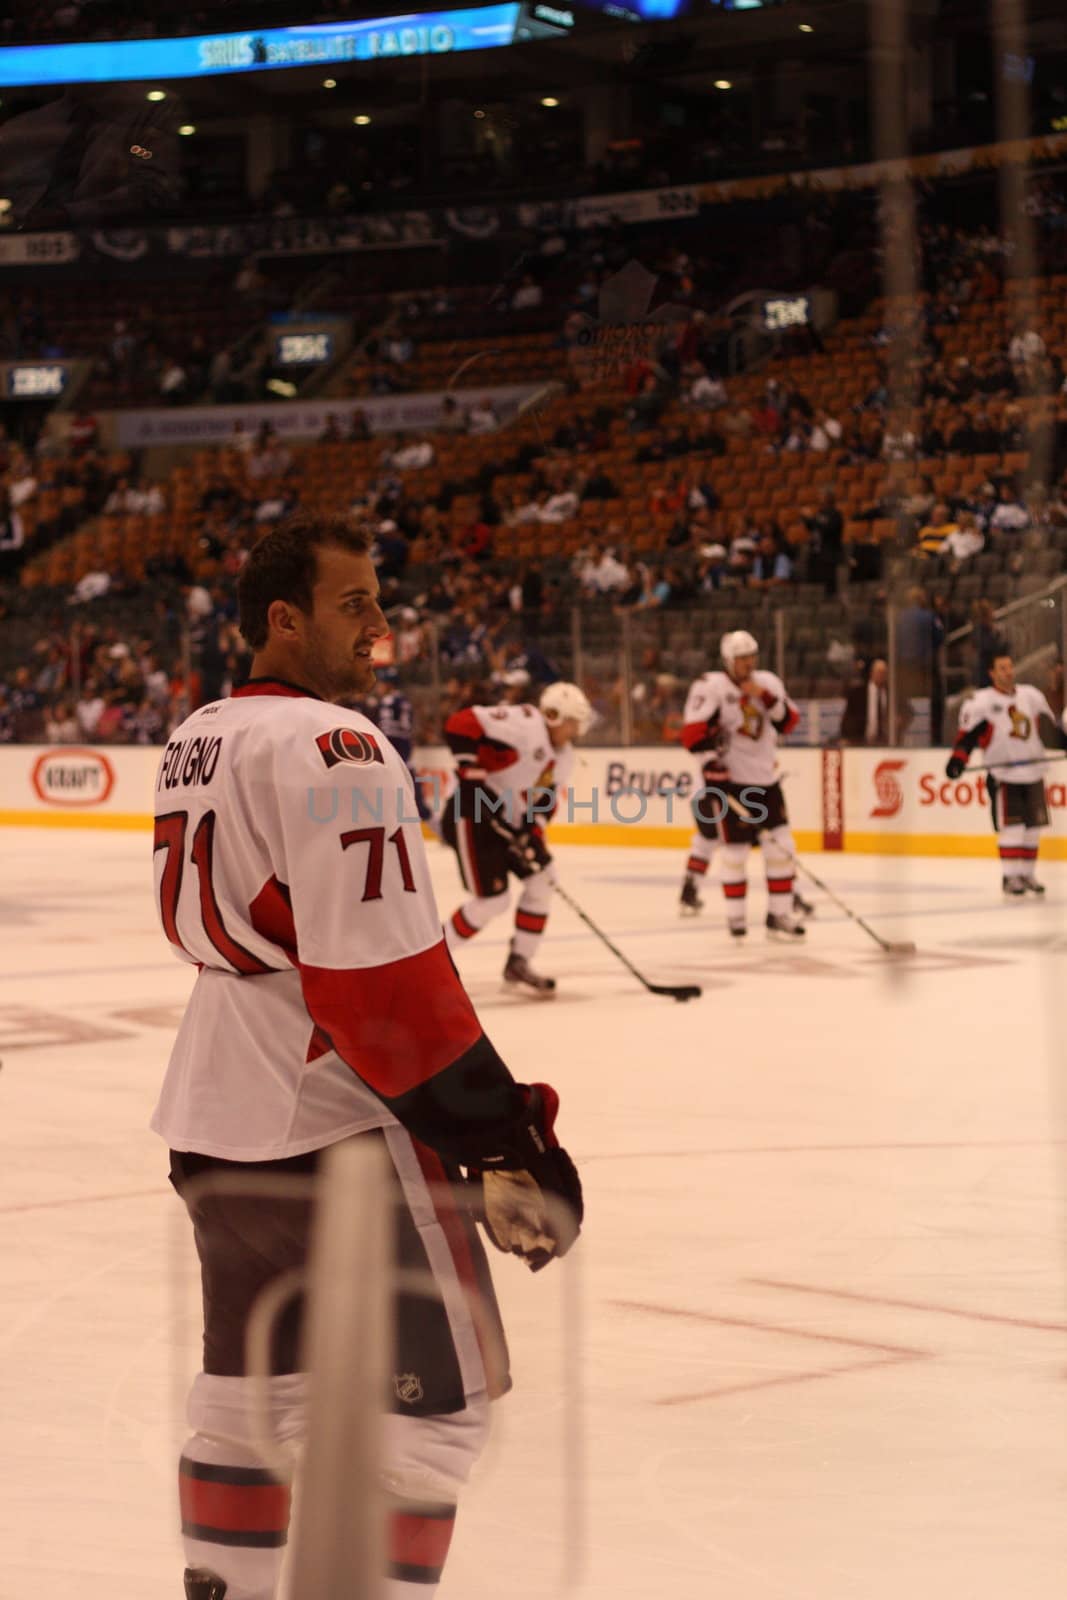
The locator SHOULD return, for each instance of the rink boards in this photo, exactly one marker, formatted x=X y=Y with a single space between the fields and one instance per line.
x=881 y=802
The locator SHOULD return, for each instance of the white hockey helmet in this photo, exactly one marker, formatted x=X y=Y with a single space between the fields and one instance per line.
x=737 y=644
x=562 y=700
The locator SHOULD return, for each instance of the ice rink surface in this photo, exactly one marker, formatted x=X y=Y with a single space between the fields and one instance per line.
x=822 y=1281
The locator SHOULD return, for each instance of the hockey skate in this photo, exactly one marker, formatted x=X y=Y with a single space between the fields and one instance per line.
x=1014 y=886
x=1032 y=886
x=784 y=928
x=737 y=930
x=802 y=907
x=203 y=1585
x=519 y=972
x=691 y=903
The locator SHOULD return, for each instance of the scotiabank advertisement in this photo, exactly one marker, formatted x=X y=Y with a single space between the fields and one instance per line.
x=899 y=802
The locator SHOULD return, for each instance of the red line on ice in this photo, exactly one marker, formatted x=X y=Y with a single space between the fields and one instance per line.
x=913 y=1305
x=79 y=1200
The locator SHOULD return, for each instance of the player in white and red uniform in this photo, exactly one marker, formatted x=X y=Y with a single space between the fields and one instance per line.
x=290 y=871
x=510 y=762
x=1003 y=721
x=737 y=716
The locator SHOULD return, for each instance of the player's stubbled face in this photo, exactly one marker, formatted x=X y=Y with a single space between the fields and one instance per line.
x=1002 y=676
x=743 y=668
x=345 y=621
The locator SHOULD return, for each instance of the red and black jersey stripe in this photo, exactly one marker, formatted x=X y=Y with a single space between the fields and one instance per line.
x=787 y=721
x=966 y=740
x=469 y=743
x=233 y=1505
x=700 y=736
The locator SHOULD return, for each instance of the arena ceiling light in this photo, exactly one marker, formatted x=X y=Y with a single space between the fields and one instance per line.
x=805 y=27
x=187 y=129
x=329 y=83
x=723 y=83
x=479 y=114
x=156 y=94
x=362 y=121
x=549 y=100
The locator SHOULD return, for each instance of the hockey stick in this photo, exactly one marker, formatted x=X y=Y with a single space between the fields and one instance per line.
x=1057 y=755
x=892 y=947
x=677 y=991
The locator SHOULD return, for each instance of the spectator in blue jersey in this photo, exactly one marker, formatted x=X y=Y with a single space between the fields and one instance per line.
x=395 y=715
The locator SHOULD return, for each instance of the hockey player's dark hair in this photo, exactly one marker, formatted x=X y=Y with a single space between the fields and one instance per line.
x=284 y=566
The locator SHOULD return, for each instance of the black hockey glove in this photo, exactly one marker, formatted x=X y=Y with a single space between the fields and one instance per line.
x=954 y=766
x=527 y=851
x=530 y=1199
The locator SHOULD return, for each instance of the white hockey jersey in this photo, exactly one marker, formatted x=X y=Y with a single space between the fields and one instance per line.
x=290 y=869
x=1005 y=727
x=743 y=722
x=507 y=749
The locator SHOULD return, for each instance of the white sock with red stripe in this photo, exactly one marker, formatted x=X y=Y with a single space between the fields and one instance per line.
x=780 y=895
x=471 y=917
x=1028 y=865
x=1015 y=858
x=701 y=851
x=235 y=1511
x=734 y=877
x=529 y=926
x=531 y=912
x=777 y=847
x=428 y=1460
x=418 y=1539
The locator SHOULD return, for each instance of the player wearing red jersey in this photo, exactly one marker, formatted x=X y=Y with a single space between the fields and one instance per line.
x=290 y=870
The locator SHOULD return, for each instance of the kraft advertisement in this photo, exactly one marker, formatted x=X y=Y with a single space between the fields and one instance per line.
x=881 y=802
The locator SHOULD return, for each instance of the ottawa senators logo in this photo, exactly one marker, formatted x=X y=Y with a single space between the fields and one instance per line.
x=1020 y=724
x=349 y=744
x=751 y=720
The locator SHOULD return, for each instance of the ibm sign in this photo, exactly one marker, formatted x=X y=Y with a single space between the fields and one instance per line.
x=303 y=349
x=39 y=382
x=786 y=311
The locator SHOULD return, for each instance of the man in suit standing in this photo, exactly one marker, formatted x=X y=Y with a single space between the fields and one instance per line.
x=866 y=716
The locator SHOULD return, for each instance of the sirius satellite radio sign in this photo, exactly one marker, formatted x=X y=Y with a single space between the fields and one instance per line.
x=319 y=45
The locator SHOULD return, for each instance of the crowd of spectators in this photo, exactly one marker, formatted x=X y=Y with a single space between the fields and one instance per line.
x=454 y=589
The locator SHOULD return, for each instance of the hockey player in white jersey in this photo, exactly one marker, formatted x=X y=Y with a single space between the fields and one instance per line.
x=290 y=870
x=740 y=714
x=510 y=761
x=1003 y=721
